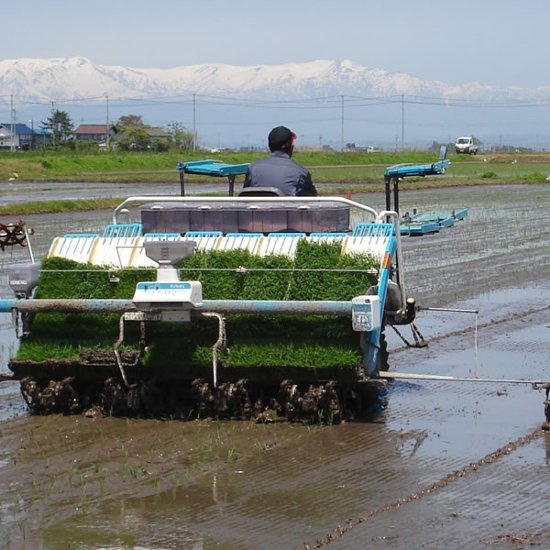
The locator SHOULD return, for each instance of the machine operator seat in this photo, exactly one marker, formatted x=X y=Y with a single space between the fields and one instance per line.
x=260 y=192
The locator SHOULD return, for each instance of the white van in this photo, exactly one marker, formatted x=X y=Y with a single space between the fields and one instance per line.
x=465 y=144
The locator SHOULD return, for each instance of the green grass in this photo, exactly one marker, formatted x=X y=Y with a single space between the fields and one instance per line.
x=331 y=167
x=59 y=206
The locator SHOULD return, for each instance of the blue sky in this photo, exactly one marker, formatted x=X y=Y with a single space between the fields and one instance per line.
x=497 y=42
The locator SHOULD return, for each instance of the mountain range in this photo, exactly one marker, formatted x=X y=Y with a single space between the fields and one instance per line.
x=79 y=78
x=328 y=102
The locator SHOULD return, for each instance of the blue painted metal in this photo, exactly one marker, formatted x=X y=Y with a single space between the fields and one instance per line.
x=407 y=170
x=80 y=235
x=341 y=308
x=329 y=234
x=203 y=234
x=295 y=235
x=448 y=221
x=374 y=337
x=422 y=224
x=160 y=235
x=442 y=219
x=213 y=168
x=34 y=305
x=460 y=214
x=373 y=230
x=399 y=171
x=123 y=230
x=419 y=228
x=244 y=235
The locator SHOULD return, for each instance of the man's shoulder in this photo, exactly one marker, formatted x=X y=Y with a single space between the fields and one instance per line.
x=299 y=167
x=278 y=159
x=284 y=158
x=261 y=161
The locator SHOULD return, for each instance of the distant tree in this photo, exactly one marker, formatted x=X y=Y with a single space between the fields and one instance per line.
x=181 y=137
x=129 y=121
x=134 y=138
x=60 y=125
x=132 y=134
x=159 y=145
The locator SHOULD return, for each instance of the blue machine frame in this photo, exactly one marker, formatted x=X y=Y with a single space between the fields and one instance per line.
x=400 y=171
x=211 y=168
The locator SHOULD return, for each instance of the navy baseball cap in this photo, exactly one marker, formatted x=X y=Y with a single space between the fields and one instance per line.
x=280 y=136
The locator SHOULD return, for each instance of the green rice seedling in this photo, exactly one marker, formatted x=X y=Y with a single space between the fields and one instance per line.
x=264 y=446
x=275 y=343
x=313 y=285
x=127 y=281
x=101 y=483
x=268 y=278
x=53 y=481
x=83 y=487
x=220 y=277
x=233 y=454
x=22 y=531
x=354 y=278
x=174 y=477
x=291 y=354
x=62 y=278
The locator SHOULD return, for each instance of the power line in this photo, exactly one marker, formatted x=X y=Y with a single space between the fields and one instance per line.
x=325 y=102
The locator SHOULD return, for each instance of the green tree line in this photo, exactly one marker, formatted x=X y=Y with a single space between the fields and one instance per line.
x=131 y=133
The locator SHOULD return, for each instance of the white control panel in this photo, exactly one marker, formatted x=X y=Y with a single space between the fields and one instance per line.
x=167 y=295
x=365 y=313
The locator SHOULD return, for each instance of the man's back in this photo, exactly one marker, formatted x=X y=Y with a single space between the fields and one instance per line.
x=280 y=171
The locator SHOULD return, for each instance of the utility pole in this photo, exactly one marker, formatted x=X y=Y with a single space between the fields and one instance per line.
x=53 y=128
x=194 y=124
x=107 y=129
x=12 y=111
x=32 y=134
x=342 y=126
x=402 y=122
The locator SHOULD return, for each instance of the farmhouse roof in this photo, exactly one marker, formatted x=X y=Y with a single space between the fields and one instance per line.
x=93 y=129
x=19 y=129
x=156 y=132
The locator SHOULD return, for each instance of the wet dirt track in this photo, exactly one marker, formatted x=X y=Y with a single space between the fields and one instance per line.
x=446 y=465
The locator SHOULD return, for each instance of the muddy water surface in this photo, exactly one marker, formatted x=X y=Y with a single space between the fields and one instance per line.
x=446 y=464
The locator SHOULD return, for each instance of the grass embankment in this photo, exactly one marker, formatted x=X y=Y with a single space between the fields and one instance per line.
x=59 y=206
x=360 y=172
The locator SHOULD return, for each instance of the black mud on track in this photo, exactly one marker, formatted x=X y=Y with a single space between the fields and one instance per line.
x=456 y=465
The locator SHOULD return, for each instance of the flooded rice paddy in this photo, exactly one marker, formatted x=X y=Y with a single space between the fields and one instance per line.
x=447 y=464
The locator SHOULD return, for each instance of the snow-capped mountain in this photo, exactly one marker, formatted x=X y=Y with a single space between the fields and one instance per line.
x=79 y=78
